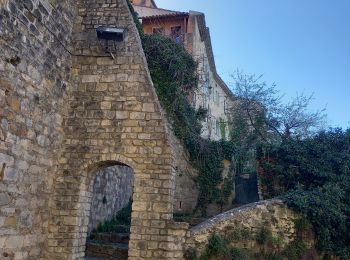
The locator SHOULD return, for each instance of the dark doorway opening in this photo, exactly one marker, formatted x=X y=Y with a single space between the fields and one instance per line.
x=110 y=214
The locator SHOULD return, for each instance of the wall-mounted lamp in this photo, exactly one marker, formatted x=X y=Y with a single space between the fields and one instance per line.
x=108 y=37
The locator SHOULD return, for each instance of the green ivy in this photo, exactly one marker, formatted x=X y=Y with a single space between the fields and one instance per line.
x=313 y=176
x=174 y=75
x=222 y=124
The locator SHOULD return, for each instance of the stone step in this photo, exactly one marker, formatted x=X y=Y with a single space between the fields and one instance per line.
x=102 y=250
x=122 y=238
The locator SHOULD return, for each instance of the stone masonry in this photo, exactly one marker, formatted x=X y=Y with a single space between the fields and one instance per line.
x=270 y=214
x=114 y=118
x=67 y=109
x=186 y=189
x=34 y=76
x=112 y=191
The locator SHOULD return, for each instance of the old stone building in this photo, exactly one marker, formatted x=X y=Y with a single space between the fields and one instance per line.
x=189 y=29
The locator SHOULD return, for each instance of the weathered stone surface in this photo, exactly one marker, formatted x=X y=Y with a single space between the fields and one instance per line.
x=4 y=199
x=33 y=99
x=68 y=110
x=270 y=214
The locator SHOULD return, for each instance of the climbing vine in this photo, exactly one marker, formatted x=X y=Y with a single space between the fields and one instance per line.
x=174 y=74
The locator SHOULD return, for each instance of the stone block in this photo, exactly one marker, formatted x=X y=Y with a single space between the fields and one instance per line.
x=4 y=199
x=139 y=206
x=90 y=78
x=161 y=207
x=6 y=159
x=107 y=78
x=14 y=242
x=122 y=77
x=122 y=115
x=144 y=136
x=105 y=61
x=102 y=86
x=133 y=106
x=106 y=105
x=137 y=115
x=148 y=107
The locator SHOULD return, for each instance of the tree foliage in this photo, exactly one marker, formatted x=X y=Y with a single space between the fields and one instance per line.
x=266 y=117
x=313 y=175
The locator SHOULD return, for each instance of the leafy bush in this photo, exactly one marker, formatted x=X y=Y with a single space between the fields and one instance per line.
x=190 y=254
x=295 y=250
x=314 y=178
x=241 y=254
x=239 y=234
x=216 y=245
x=217 y=248
x=264 y=236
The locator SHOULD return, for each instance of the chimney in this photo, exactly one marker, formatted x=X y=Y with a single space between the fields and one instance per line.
x=145 y=3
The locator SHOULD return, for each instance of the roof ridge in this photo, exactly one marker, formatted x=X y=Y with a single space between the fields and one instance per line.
x=173 y=11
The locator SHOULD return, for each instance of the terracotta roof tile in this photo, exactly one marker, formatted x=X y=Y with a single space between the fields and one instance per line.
x=147 y=12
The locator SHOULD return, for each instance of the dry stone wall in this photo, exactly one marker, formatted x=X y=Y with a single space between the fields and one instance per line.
x=249 y=220
x=34 y=76
x=112 y=190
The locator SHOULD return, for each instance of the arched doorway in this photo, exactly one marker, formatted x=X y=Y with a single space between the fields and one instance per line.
x=108 y=230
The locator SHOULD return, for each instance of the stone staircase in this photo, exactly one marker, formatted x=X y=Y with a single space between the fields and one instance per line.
x=107 y=246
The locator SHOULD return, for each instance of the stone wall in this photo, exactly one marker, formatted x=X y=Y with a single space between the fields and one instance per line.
x=112 y=190
x=271 y=214
x=67 y=109
x=186 y=190
x=34 y=76
x=114 y=118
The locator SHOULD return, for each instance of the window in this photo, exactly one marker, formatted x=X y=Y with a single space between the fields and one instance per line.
x=217 y=128
x=158 y=30
x=176 y=34
x=225 y=108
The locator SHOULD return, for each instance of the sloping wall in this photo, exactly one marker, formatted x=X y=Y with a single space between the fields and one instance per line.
x=241 y=226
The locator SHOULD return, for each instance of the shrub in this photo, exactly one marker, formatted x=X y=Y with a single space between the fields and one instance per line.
x=295 y=250
x=264 y=236
x=191 y=254
x=314 y=179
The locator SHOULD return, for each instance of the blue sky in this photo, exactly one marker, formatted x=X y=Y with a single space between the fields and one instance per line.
x=301 y=45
